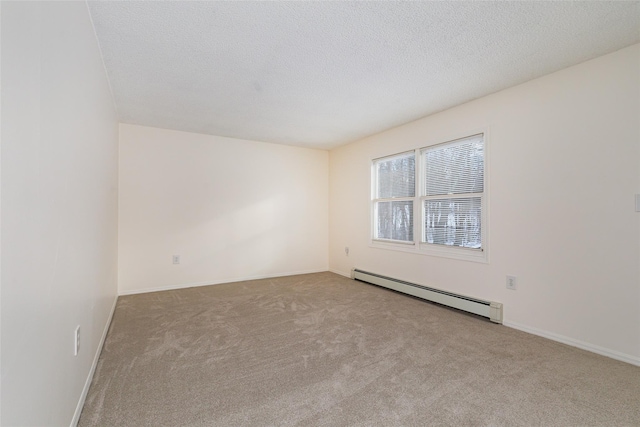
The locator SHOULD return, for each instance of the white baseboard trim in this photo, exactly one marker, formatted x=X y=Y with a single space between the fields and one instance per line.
x=342 y=273
x=87 y=384
x=217 y=282
x=576 y=343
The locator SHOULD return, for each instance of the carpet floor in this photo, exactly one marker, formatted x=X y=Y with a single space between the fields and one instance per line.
x=323 y=350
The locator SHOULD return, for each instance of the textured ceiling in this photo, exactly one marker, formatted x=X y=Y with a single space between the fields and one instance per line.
x=321 y=74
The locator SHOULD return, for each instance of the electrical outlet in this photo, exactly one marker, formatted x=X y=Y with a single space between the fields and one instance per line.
x=346 y=250
x=511 y=283
x=76 y=343
x=176 y=259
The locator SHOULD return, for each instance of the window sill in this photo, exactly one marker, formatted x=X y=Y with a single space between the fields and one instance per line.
x=463 y=254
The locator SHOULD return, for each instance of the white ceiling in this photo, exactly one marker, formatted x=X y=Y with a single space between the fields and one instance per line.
x=321 y=74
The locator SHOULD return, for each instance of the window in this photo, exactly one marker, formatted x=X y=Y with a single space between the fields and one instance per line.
x=453 y=175
x=394 y=191
x=449 y=205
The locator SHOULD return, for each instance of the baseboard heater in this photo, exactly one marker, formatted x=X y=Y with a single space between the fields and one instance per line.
x=488 y=309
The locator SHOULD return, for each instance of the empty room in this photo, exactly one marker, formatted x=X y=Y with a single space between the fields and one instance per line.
x=320 y=213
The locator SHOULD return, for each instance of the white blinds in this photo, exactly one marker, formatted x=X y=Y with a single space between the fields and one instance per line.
x=394 y=220
x=395 y=176
x=395 y=180
x=454 y=222
x=454 y=168
x=453 y=179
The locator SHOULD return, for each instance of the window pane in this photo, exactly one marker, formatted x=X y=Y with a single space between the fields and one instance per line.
x=456 y=168
x=396 y=176
x=453 y=222
x=394 y=220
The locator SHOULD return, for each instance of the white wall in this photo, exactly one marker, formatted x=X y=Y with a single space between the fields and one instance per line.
x=232 y=209
x=59 y=208
x=564 y=168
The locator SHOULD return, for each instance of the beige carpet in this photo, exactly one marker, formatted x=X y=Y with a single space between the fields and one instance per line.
x=323 y=350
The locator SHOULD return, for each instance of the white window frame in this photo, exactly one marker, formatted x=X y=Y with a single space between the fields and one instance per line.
x=375 y=200
x=429 y=249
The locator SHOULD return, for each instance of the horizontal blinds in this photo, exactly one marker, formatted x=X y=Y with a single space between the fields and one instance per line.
x=454 y=168
x=453 y=222
x=451 y=190
x=394 y=220
x=395 y=176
